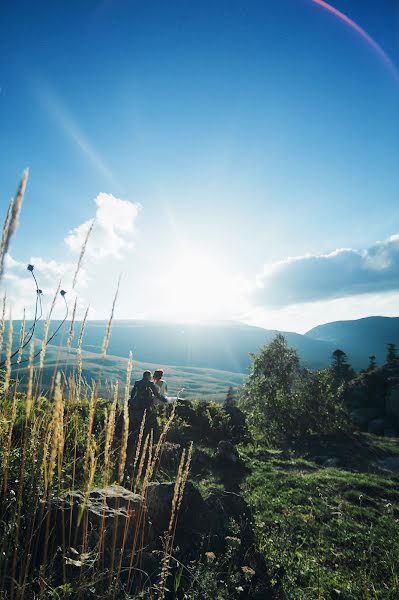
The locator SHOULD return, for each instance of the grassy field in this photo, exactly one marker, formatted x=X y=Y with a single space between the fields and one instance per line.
x=324 y=533
x=328 y=532
x=210 y=384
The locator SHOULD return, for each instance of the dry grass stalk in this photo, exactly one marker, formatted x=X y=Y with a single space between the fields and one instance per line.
x=90 y=479
x=141 y=463
x=139 y=441
x=30 y=379
x=44 y=341
x=148 y=470
x=54 y=299
x=109 y=436
x=47 y=326
x=82 y=330
x=109 y=324
x=92 y=410
x=3 y=322
x=125 y=432
x=21 y=339
x=160 y=443
x=72 y=327
x=11 y=222
x=82 y=253
x=8 y=356
x=79 y=375
x=176 y=501
x=79 y=354
x=57 y=432
x=7 y=452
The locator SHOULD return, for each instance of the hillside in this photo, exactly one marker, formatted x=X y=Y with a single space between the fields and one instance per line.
x=359 y=338
x=210 y=384
x=207 y=358
x=221 y=346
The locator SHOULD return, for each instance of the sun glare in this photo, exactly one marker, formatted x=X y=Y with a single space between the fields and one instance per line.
x=198 y=287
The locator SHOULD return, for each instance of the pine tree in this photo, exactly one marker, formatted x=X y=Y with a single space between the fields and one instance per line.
x=342 y=370
x=372 y=363
x=391 y=353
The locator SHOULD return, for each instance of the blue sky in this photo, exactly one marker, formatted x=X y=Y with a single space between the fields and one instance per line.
x=249 y=133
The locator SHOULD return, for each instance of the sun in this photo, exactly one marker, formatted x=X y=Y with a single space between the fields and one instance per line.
x=198 y=287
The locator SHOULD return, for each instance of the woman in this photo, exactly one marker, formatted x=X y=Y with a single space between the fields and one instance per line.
x=159 y=382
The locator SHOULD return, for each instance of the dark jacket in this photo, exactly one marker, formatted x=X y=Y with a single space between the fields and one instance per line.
x=143 y=393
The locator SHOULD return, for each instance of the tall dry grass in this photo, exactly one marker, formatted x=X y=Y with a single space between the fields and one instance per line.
x=54 y=445
x=11 y=221
x=50 y=447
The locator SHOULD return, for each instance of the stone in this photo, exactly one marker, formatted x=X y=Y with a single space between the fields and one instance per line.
x=159 y=506
x=109 y=509
x=169 y=457
x=227 y=453
x=222 y=508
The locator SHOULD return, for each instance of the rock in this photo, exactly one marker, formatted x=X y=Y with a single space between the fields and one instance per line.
x=227 y=453
x=159 y=505
x=108 y=509
x=170 y=456
x=376 y=426
x=223 y=507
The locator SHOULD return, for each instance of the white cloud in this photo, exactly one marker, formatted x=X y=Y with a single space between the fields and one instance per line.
x=111 y=238
x=113 y=229
x=342 y=273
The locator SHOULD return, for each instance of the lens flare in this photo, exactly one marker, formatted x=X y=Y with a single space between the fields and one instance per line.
x=370 y=41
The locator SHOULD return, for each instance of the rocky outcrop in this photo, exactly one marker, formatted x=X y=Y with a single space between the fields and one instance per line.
x=191 y=518
x=227 y=454
x=114 y=513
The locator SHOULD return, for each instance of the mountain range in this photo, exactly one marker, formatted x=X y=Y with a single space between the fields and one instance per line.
x=216 y=354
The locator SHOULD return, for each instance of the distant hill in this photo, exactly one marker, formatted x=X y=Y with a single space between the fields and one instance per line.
x=359 y=338
x=206 y=358
x=197 y=383
x=221 y=346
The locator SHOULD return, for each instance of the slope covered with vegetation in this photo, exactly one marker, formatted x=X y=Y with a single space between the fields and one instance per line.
x=280 y=498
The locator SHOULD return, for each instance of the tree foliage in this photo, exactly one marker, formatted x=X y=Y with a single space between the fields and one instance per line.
x=284 y=403
x=392 y=354
x=341 y=369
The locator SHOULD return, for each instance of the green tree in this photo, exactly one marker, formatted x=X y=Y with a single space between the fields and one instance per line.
x=372 y=363
x=391 y=353
x=283 y=403
x=341 y=369
x=273 y=374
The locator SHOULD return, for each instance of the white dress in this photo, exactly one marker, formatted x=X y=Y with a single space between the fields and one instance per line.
x=162 y=387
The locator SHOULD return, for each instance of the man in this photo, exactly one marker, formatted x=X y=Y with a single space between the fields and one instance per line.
x=142 y=398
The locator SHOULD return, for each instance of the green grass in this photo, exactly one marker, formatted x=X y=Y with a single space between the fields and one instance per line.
x=325 y=532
